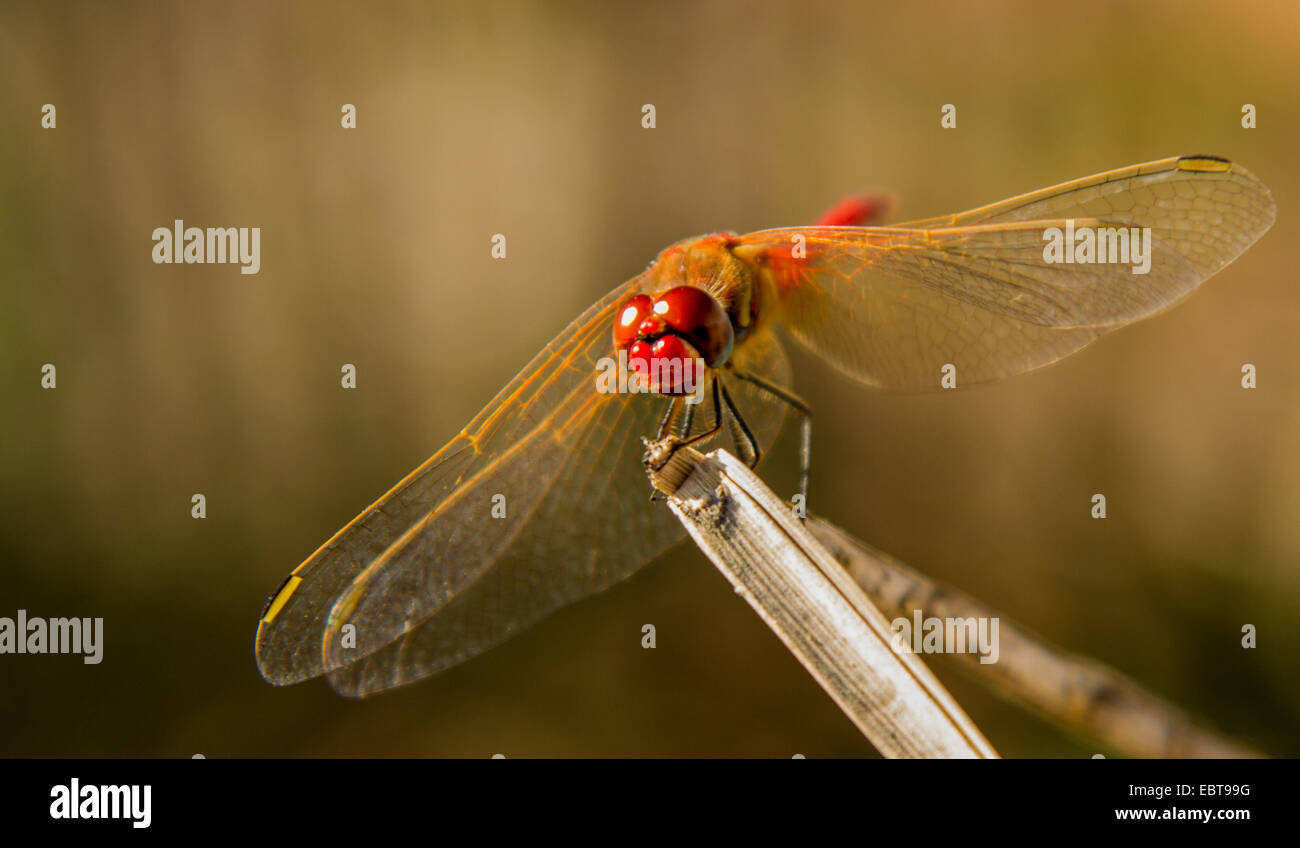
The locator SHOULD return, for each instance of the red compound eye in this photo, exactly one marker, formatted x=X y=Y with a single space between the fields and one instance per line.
x=699 y=319
x=667 y=364
x=638 y=357
x=651 y=327
x=629 y=319
x=668 y=338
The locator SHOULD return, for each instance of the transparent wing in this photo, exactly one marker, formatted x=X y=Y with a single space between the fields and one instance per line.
x=591 y=525
x=430 y=575
x=890 y=306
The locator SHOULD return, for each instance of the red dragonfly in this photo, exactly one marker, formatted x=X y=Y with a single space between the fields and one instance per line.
x=542 y=498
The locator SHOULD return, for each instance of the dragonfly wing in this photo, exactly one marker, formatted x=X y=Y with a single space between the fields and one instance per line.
x=440 y=568
x=1137 y=191
x=582 y=535
x=891 y=306
x=509 y=448
x=577 y=518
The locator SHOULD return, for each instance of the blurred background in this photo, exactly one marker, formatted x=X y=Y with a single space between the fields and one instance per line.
x=525 y=119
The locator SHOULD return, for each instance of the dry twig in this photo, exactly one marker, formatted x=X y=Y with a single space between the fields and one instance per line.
x=815 y=608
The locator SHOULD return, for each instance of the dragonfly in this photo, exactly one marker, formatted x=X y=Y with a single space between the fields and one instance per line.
x=541 y=500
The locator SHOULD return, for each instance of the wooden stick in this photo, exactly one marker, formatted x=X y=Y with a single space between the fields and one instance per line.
x=813 y=606
x=1074 y=692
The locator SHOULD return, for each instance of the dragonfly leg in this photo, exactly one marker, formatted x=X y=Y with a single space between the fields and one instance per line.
x=688 y=419
x=659 y=451
x=744 y=437
x=805 y=426
x=717 y=417
x=667 y=417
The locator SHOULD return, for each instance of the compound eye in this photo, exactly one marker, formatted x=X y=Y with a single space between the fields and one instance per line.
x=697 y=317
x=666 y=365
x=629 y=318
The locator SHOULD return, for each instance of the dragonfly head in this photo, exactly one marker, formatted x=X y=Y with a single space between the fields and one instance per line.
x=664 y=335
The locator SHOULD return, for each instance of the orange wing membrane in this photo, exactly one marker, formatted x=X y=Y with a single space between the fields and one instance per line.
x=890 y=306
x=428 y=577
